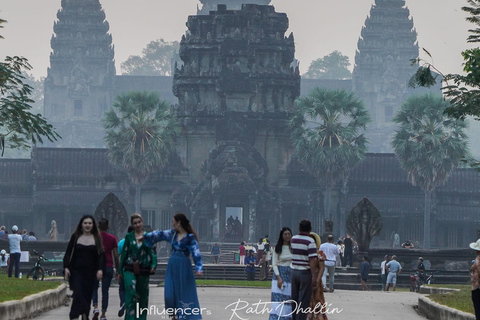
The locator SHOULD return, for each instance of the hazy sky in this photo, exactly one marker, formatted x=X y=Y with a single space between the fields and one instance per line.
x=319 y=26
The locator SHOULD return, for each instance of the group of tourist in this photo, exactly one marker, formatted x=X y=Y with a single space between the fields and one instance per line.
x=92 y=253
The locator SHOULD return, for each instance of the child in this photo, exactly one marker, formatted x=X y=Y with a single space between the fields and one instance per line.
x=4 y=261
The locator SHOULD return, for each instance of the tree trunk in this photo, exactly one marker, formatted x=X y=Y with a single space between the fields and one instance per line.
x=426 y=220
x=343 y=209
x=138 y=190
x=326 y=203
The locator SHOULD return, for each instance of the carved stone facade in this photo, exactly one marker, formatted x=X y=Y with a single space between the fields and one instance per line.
x=79 y=84
x=387 y=43
x=211 y=5
x=236 y=89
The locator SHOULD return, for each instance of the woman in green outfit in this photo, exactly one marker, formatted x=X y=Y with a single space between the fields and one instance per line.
x=137 y=263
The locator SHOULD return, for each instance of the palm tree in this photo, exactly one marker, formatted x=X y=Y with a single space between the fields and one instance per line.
x=429 y=145
x=327 y=132
x=140 y=135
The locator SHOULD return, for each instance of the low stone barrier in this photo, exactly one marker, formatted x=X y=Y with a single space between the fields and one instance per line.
x=436 y=290
x=433 y=310
x=33 y=304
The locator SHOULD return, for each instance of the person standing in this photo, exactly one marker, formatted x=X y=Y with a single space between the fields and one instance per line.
x=260 y=249
x=318 y=297
x=263 y=264
x=4 y=260
x=15 y=252
x=83 y=263
x=31 y=236
x=2 y=232
x=180 y=286
x=121 y=284
x=475 y=277
x=383 y=270
x=250 y=262
x=24 y=235
x=364 y=269
x=110 y=245
x=348 y=258
x=281 y=281
x=331 y=252
x=241 y=252
x=304 y=269
x=393 y=268
x=215 y=252
x=137 y=263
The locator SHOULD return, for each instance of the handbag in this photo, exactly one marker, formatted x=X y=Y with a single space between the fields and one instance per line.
x=136 y=267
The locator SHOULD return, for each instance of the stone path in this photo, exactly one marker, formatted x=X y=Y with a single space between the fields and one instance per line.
x=246 y=304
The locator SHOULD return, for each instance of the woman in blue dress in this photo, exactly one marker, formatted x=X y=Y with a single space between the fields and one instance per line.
x=181 y=300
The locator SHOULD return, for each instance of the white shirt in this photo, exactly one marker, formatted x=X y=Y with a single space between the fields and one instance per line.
x=14 y=242
x=4 y=263
x=382 y=266
x=284 y=259
x=331 y=252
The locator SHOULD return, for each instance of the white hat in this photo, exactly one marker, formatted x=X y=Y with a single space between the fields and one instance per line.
x=15 y=228
x=3 y=251
x=475 y=245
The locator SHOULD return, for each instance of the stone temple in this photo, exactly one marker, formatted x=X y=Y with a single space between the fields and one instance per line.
x=233 y=171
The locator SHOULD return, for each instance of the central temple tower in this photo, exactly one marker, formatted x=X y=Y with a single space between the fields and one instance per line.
x=236 y=89
x=211 y=5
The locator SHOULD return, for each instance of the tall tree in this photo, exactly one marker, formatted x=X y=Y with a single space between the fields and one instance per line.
x=140 y=135
x=463 y=90
x=156 y=59
x=332 y=66
x=328 y=135
x=429 y=145
x=19 y=127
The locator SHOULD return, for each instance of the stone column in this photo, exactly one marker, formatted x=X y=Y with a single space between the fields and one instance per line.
x=252 y=218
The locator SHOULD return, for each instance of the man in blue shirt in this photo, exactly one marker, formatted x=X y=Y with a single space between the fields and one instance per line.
x=250 y=262
x=215 y=253
x=364 y=269
x=393 y=268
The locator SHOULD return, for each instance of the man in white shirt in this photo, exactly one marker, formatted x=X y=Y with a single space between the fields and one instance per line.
x=14 y=242
x=331 y=251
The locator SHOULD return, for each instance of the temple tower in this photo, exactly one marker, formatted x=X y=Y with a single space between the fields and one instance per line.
x=382 y=69
x=79 y=84
x=236 y=89
x=211 y=5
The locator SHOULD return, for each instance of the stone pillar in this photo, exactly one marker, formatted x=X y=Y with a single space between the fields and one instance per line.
x=252 y=219
x=217 y=232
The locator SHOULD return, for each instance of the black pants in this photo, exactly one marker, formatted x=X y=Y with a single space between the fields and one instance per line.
x=301 y=292
x=250 y=276
x=14 y=260
x=476 y=302
x=348 y=259
x=82 y=287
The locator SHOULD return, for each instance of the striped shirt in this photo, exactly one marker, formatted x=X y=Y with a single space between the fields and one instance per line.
x=303 y=248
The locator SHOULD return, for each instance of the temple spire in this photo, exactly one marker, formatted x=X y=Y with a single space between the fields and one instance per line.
x=211 y=5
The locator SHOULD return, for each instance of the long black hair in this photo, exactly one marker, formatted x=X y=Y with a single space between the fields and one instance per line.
x=96 y=235
x=185 y=223
x=278 y=247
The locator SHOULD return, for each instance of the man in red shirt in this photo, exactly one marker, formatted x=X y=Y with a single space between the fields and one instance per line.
x=110 y=245
x=241 y=250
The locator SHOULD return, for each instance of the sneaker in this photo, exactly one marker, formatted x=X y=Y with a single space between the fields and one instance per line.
x=331 y=290
x=96 y=313
x=121 y=311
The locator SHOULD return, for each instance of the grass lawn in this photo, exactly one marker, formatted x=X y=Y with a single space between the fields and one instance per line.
x=16 y=289
x=461 y=300
x=235 y=283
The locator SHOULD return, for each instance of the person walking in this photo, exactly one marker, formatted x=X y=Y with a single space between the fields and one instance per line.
x=241 y=252
x=83 y=265
x=394 y=268
x=475 y=277
x=348 y=251
x=304 y=269
x=281 y=280
x=215 y=252
x=180 y=286
x=110 y=245
x=137 y=263
x=121 y=284
x=383 y=270
x=15 y=252
x=364 y=269
x=250 y=262
x=331 y=252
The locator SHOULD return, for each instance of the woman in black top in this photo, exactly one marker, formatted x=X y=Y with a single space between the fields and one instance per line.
x=83 y=263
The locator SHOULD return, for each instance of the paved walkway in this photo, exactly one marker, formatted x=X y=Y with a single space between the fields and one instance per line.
x=223 y=304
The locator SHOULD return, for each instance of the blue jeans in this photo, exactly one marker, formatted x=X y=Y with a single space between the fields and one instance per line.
x=106 y=281
x=14 y=260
